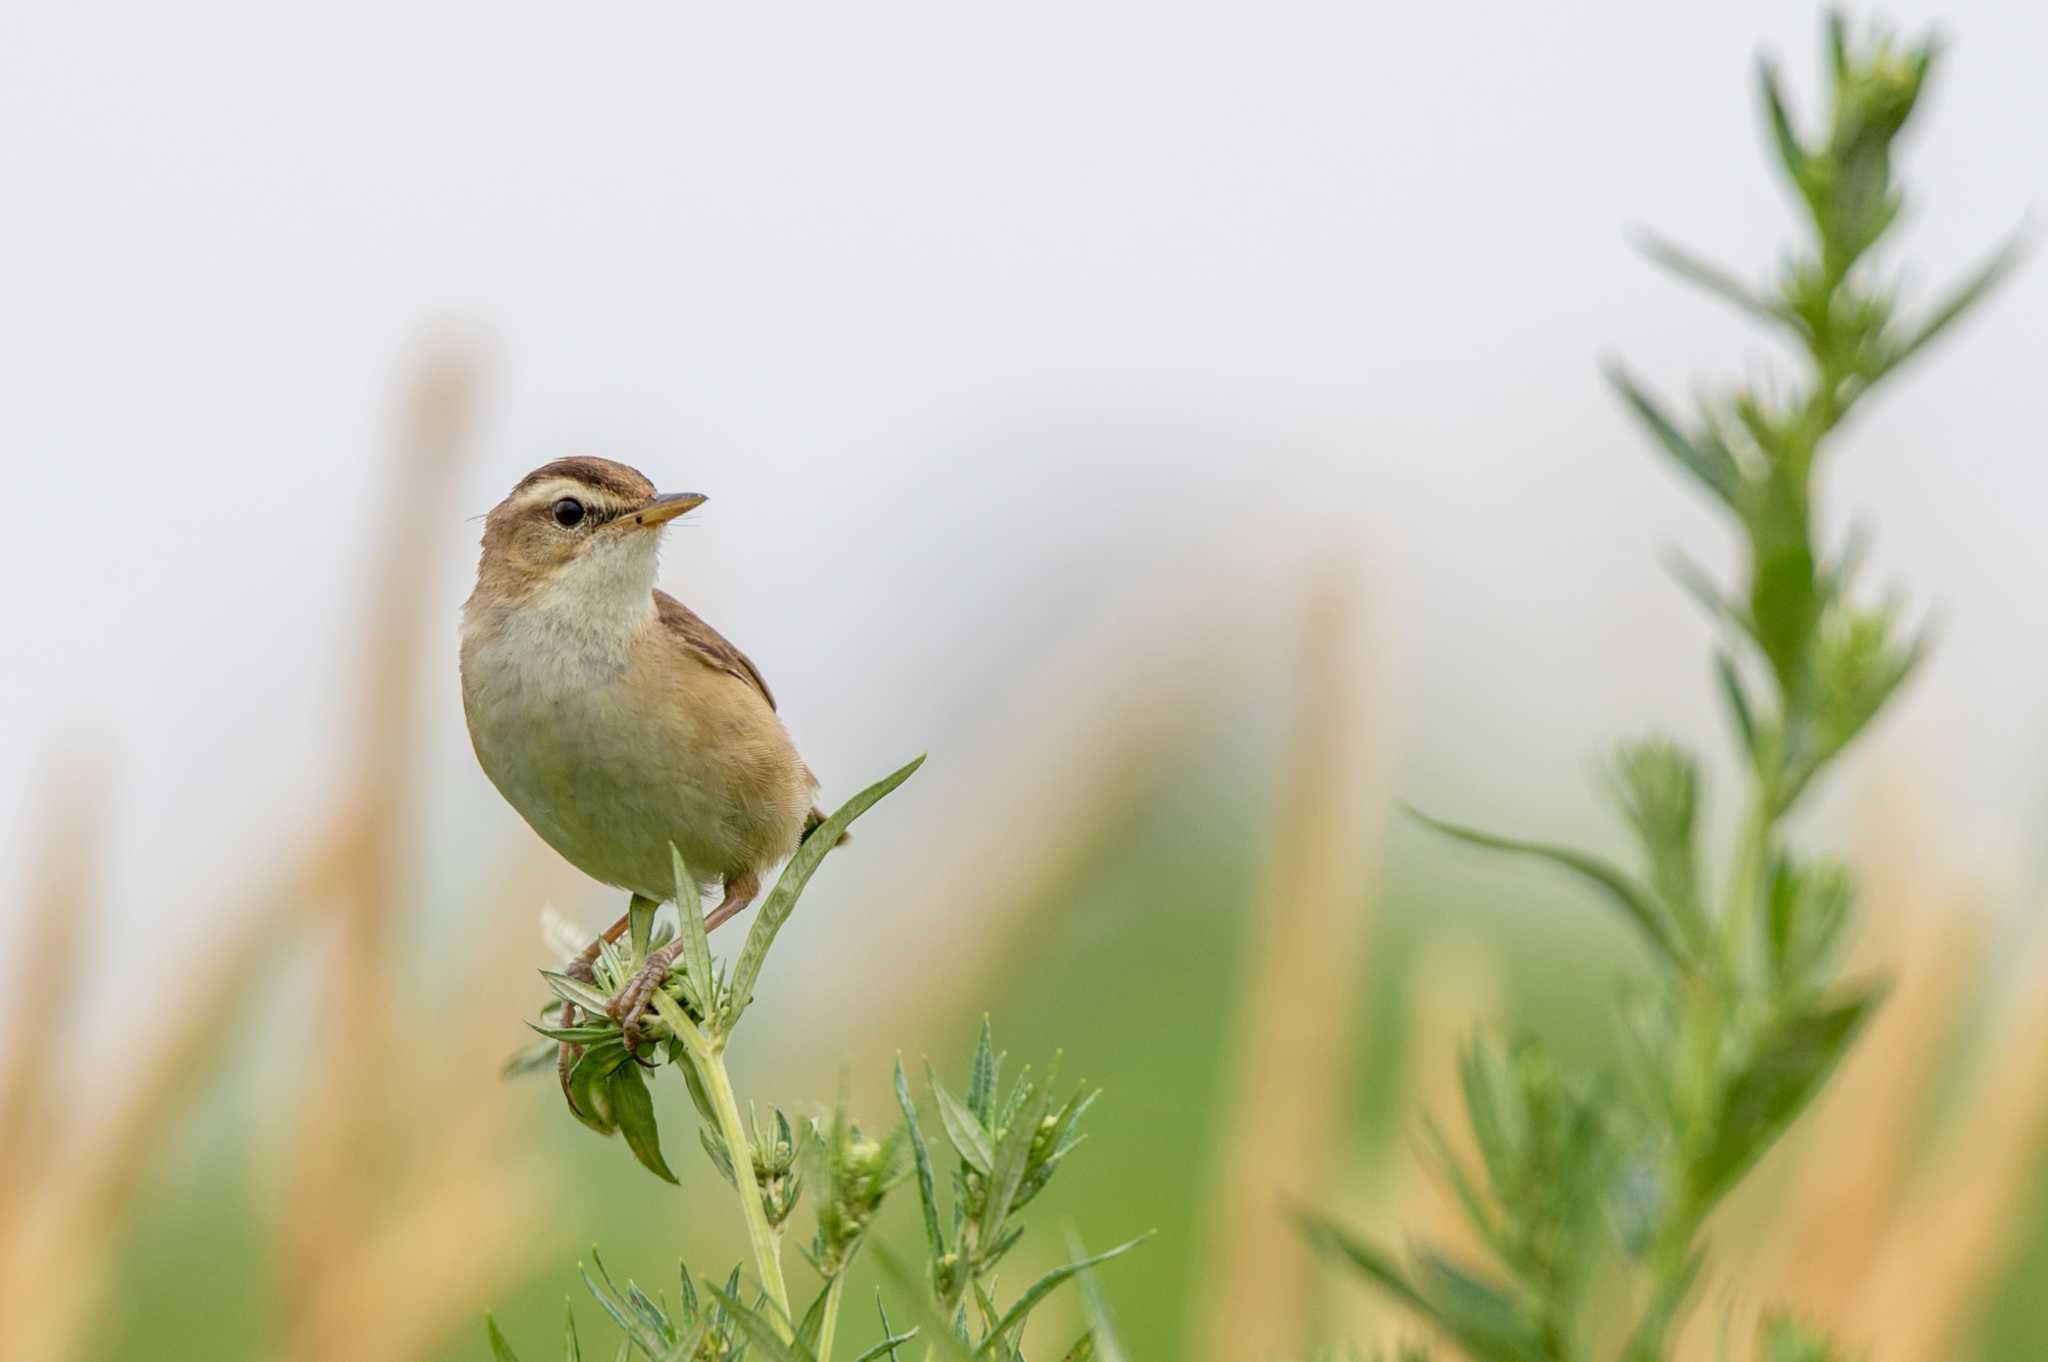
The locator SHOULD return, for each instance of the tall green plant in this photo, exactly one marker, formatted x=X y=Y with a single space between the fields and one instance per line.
x=1008 y=1144
x=1580 y=1181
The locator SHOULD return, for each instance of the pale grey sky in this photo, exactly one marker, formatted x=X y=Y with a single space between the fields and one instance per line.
x=957 y=313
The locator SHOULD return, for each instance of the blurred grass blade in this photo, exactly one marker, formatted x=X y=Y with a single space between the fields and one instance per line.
x=782 y=899
x=1633 y=898
x=501 y=1350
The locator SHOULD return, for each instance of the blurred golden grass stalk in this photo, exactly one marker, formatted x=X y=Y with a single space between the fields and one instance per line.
x=394 y=1228
x=1295 y=1013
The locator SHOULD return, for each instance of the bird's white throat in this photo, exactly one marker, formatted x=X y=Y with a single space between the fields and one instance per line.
x=579 y=624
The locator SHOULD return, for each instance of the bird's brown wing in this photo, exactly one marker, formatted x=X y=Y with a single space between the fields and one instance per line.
x=708 y=643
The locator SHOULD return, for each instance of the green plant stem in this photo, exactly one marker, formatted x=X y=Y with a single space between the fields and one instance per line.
x=833 y=1290
x=707 y=1052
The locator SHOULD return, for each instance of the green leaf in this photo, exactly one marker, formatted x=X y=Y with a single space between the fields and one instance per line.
x=576 y=991
x=1101 y=1338
x=691 y=1342
x=572 y=1347
x=589 y=1094
x=1630 y=896
x=781 y=901
x=889 y=1344
x=760 y=1330
x=1951 y=309
x=981 y=1084
x=1014 y=1317
x=891 y=1340
x=1791 y=155
x=1739 y=708
x=633 y=1108
x=640 y=911
x=1704 y=457
x=921 y=1157
x=1789 y=1340
x=501 y=1350
x=1478 y=1315
x=622 y=1315
x=1716 y=281
x=940 y=1334
x=696 y=942
x=1013 y=1153
x=962 y=1128
x=1792 y=1059
x=1646 y=1341
x=1330 y=1239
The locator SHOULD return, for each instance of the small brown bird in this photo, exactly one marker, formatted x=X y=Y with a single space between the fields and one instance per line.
x=611 y=717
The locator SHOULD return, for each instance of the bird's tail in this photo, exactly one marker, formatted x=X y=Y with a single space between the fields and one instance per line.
x=815 y=821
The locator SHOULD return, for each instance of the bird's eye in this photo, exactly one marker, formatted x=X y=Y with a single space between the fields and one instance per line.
x=568 y=513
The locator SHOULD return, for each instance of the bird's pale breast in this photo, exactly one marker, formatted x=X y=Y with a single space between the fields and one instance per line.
x=613 y=748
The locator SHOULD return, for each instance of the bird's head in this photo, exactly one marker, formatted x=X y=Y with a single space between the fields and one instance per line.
x=588 y=527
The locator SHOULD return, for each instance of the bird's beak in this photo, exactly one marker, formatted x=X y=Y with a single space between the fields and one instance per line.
x=665 y=508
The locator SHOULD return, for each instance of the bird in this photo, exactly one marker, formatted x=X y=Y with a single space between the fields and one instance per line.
x=613 y=718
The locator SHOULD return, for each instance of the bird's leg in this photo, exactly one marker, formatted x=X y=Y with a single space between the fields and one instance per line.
x=584 y=968
x=629 y=1004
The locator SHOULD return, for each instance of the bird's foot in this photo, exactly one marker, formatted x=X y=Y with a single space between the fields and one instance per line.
x=582 y=969
x=629 y=1004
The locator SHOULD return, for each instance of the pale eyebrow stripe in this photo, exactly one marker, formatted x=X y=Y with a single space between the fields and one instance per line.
x=554 y=489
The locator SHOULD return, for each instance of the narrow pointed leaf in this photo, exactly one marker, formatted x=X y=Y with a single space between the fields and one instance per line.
x=891 y=1340
x=691 y=1341
x=501 y=1350
x=1960 y=301
x=1014 y=1317
x=696 y=942
x=921 y=1157
x=941 y=1336
x=1704 y=459
x=1715 y=280
x=962 y=1128
x=1329 y=1238
x=640 y=911
x=1792 y=1060
x=760 y=1330
x=1633 y=898
x=1013 y=1153
x=981 y=1084
x=1738 y=701
x=572 y=1347
x=889 y=1344
x=1791 y=156
x=781 y=901
x=576 y=991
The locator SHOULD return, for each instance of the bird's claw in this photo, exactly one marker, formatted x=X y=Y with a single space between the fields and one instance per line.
x=629 y=1004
